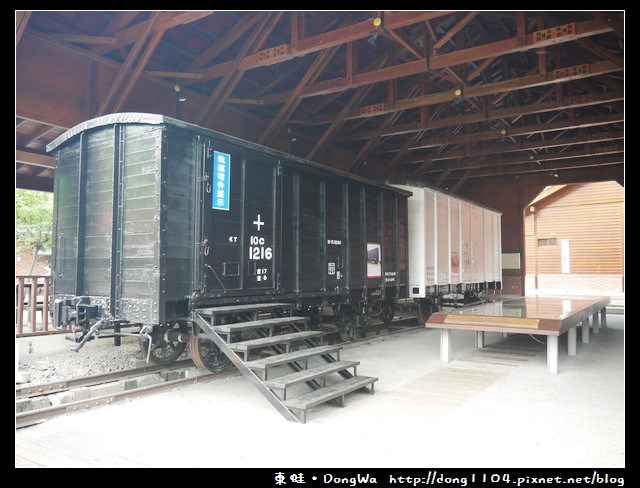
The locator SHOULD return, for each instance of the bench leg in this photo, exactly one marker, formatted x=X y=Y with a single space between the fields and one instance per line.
x=480 y=339
x=603 y=316
x=445 y=345
x=596 y=323
x=585 y=331
x=552 y=354
x=572 y=340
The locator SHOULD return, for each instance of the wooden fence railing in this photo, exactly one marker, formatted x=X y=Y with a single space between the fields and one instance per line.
x=32 y=305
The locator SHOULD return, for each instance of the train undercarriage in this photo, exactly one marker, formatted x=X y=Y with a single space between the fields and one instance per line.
x=88 y=319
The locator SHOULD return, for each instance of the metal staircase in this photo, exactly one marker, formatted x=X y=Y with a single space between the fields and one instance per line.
x=245 y=332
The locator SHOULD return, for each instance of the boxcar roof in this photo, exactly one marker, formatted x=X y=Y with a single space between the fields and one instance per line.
x=158 y=119
x=420 y=184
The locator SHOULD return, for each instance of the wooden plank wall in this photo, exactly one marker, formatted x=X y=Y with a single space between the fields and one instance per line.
x=591 y=216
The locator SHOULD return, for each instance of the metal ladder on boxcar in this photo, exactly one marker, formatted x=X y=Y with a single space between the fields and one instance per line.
x=288 y=342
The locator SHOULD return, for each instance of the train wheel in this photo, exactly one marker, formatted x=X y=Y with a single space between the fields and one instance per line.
x=348 y=323
x=315 y=317
x=168 y=342
x=388 y=311
x=207 y=355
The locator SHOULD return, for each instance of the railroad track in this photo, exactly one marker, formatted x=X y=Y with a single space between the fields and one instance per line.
x=166 y=381
x=134 y=383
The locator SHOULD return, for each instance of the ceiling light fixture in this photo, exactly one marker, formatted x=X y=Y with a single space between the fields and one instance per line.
x=378 y=24
x=180 y=96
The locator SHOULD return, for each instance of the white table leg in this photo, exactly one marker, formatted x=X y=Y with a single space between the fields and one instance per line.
x=445 y=345
x=585 y=331
x=596 y=323
x=572 y=340
x=552 y=354
x=480 y=339
x=603 y=316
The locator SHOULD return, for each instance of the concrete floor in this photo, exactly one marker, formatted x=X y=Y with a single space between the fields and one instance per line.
x=496 y=407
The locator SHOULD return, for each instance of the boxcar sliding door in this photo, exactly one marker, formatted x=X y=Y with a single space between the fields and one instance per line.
x=240 y=229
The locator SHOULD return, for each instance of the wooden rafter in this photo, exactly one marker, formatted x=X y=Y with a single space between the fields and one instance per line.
x=227 y=84
x=547 y=85
x=126 y=68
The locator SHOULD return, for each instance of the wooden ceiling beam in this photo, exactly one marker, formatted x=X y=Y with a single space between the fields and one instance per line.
x=497 y=114
x=34 y=158
x=224 y=88
x=460 y=163
x=127 y=66
x=229 y=38
x=530 y=147
x=22 y=19
x=525 y=167
x=573 y=73
x=462 y=56
x=291 y=104
x=162 y=21
x=310 y=45
x=84 y=39
x=454 y=30
x=119 y=21
x=576 y=123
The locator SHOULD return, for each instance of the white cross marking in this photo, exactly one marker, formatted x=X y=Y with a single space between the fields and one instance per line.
x=258 y=223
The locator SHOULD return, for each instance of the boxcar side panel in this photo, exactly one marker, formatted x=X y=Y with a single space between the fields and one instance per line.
x=135 y=232
x=431 y=232
x=454 y=212
x=335 y=241
x=183 y=155
x=477 y=244
x=417 y=243
x=443 y=234
x=312 y=229
x=392 y=253
x=466 y=243
x=101 y=183
x=67 y=221
x=373 y=229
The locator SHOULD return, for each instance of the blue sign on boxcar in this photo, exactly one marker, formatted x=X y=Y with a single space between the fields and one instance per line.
x=221 y=181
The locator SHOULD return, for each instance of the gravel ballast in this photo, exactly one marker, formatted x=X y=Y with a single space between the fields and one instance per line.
x=57 y=362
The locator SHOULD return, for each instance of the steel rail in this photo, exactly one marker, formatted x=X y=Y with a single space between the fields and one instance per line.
x=33 y=417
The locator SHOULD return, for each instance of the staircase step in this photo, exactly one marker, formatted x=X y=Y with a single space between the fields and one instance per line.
x=247 y=346
x=292 y=408
x=282 y=382
x=247 y=307
x=289 y=357
x=331 y=392
x=257 y=324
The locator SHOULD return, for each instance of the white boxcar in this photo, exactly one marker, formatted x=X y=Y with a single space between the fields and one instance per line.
x=454 y=247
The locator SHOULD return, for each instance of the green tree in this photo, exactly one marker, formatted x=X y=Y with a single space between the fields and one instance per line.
x=34 y=221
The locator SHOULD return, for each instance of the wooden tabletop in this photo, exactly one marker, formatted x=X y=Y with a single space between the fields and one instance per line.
x=546 y=315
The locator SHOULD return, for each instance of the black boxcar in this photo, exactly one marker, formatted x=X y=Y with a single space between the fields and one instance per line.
x=155 y=217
